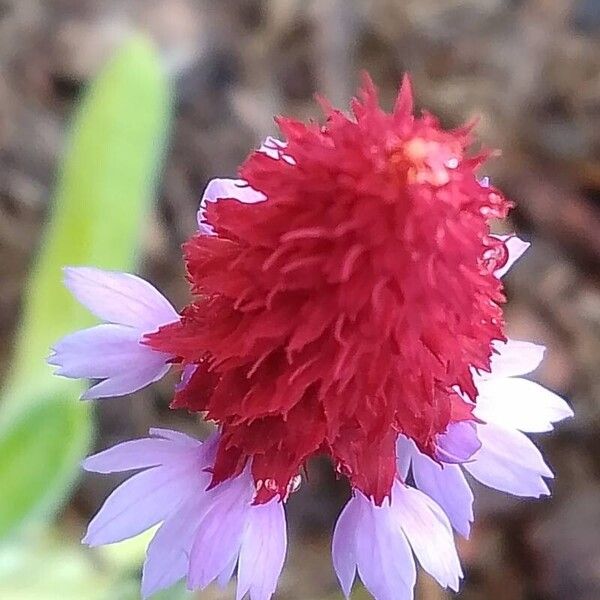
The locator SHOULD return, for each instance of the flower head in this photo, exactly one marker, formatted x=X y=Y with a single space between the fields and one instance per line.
x=347 y=301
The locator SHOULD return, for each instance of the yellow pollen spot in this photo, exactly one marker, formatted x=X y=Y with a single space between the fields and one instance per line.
x=424 y=161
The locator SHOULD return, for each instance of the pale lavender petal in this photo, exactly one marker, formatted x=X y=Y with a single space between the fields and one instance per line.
x=517 y=403
x=99 y=352
x=405 y=448
x=136 y=378
x=509 y=461
x=186 y=376
x=429 y=533
x=220 y=534
x=217 y=544
x=516 y=248
x=139 y=503
x=263 y=551
x=227 y=573
x=218 y=189
x=139 y=454
x=111 y=352
x=458 y=443
x=447 y=485
x=343 y=548
x=167 y=557
x=175 y=436
x=385 y=563
x=513 y=358
x=120 y=298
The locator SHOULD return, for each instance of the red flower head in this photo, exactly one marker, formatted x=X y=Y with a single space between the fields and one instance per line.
x=348 y=305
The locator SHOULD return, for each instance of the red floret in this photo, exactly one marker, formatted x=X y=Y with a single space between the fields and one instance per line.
x=349 y=306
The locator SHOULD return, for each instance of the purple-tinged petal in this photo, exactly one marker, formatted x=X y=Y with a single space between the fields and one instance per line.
x=227 y=573
x=186 y=376
x=220 y=533
x=343 y=548
x=517 y=403
x=99 y=352
x=516 y=248
x=384 y=560
x=110 y=352
x=446 y=485
x=217 y=544
x=126 y=383
x=429 y=533
x=218 y=189
x=263 y=551
x=141 y=502
x=509 y=461
x=175 y=436
x=513 y=358
x=120 y=298
x=139 y=454
x=167 y=557
x=458 y=443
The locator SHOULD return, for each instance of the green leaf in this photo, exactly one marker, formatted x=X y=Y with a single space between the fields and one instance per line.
x=103 y=193
x=45 y=439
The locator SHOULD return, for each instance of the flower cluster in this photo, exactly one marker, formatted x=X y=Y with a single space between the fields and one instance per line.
x=348 y=302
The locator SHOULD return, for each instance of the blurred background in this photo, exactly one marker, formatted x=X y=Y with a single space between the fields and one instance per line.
x=528 y=69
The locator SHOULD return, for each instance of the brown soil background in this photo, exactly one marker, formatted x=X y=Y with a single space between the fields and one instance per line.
x=530 y=69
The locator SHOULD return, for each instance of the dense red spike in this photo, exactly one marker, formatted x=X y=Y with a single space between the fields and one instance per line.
x=349 y=306
x=403 y=108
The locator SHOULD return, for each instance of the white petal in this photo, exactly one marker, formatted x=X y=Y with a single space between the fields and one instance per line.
x=120 y=298
x=274 y=148
x=448 y=487
x=385 y=563
x=513 y=358
x=221 y=188
x=516 y=248
x=519 y=404
x=509 y=461
x=429 y=534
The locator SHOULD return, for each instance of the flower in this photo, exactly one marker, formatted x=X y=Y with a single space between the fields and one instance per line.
x=377 y=541
x=172 y=488
x=493 y=447
x=344 y=294
x=113 y=351
x=347 y=301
